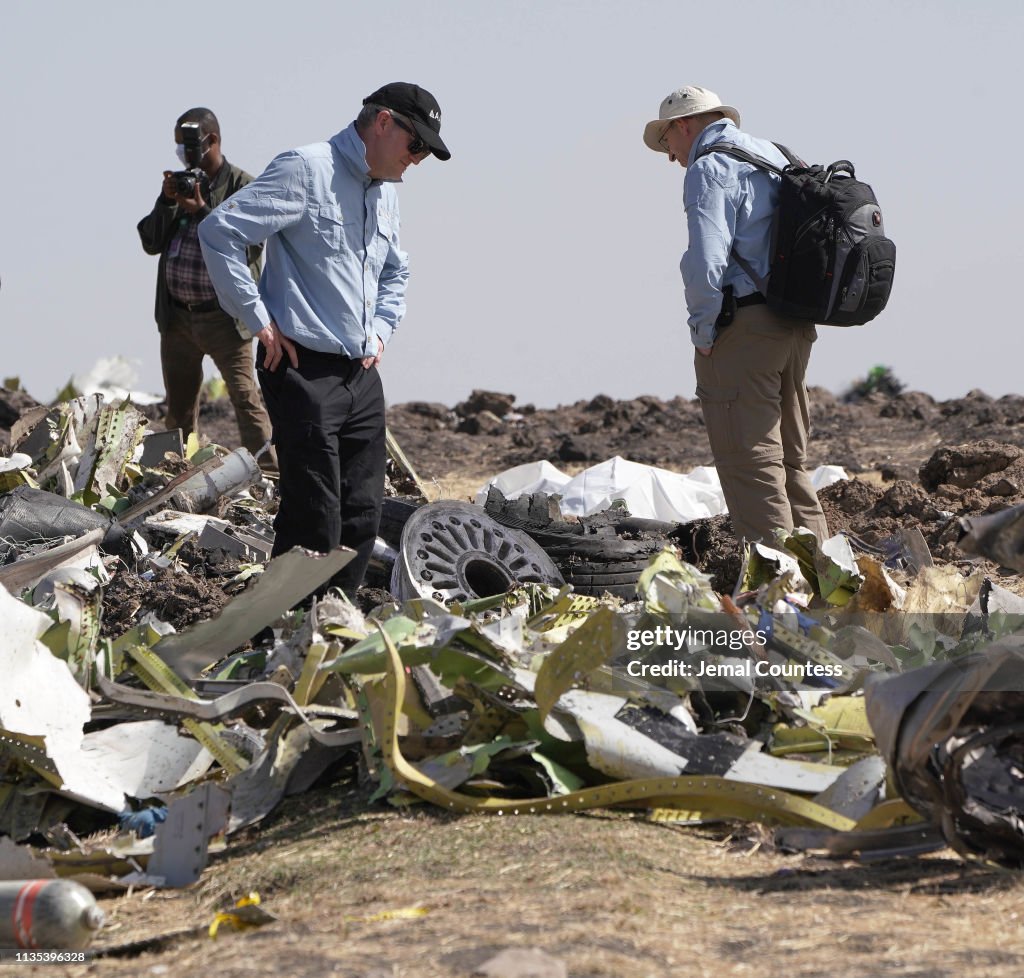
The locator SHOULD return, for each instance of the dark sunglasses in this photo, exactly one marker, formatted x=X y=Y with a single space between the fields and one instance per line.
x=416 y=144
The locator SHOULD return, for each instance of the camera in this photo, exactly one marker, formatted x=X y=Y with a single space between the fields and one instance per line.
x=185 y=180
x=185 y=183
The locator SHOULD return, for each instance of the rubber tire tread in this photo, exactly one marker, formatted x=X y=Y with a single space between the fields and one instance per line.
x=394 y=514
x=583 y=568
x=600 y=580
x=604 y=549
x=627 y=591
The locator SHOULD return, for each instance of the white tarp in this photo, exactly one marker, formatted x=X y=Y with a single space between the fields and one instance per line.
x=648 y=492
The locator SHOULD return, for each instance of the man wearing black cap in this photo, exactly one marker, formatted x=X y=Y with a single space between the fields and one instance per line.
x=331 y=295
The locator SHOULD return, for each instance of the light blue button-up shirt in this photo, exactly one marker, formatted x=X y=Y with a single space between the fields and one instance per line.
x=334 y=277
x=729 y=204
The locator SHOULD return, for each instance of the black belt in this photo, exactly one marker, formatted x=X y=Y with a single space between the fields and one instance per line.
x=207 y=305
x=324 y=355
x=754 y=299
x=306 y=353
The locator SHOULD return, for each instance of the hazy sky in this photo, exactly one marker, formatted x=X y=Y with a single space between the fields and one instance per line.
x=544 y=255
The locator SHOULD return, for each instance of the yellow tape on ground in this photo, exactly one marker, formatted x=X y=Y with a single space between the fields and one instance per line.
x=710 y=795
x=402 y=913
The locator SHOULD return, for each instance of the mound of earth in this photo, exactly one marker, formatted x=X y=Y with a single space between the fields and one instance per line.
x=890 y=434
x=913 y=461
x=178 y=599
x=885 y=433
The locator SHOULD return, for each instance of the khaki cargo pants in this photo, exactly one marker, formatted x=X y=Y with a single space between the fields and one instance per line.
x=189 y=337
x=754 y=398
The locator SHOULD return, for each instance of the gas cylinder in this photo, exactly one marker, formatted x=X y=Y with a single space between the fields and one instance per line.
x=50 y=914
x=216 y=477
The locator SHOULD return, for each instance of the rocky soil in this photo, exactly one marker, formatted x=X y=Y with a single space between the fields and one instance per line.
x=912 y=461
x=892 y=434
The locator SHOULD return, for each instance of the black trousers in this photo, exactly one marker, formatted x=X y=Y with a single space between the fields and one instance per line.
x=328 y=420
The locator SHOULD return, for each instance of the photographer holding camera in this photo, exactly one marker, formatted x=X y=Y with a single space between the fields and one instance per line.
x=191 y=322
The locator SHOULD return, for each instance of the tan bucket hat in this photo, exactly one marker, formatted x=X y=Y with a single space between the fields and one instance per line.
x=688 y=100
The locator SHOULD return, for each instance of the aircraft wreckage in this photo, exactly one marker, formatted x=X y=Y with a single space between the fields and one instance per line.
x=517 y=662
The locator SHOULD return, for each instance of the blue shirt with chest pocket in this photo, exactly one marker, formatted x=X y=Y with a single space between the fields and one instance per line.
x=729 y=205
x=335 y=276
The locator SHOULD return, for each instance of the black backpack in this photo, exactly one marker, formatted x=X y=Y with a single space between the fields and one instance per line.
x=830 y=259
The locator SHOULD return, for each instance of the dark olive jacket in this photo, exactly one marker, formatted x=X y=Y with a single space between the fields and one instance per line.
x=158 y=228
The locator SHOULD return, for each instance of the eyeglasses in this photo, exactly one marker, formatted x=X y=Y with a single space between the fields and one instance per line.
x=416 y=144
x=663 y=139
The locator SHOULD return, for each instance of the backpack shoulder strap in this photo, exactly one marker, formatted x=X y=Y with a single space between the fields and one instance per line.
x=761 y=283
x=741 y=154
x=789 y=154
x=762 y=164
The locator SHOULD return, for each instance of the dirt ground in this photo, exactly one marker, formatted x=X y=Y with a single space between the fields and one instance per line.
x=609 y=894
x=912 y=460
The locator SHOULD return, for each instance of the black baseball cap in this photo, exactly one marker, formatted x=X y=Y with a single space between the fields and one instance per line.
x=419 y=107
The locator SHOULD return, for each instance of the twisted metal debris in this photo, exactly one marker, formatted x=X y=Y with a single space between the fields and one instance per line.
x=684 y=703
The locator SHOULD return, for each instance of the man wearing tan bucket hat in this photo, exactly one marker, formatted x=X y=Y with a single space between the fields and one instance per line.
x=750 y=362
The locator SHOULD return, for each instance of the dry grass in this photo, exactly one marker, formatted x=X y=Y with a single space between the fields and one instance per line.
x=610 y=895
x=464 y=483
x=457 y=485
